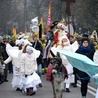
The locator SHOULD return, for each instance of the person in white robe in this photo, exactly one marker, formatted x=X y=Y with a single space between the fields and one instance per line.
x=28 y=69
x=14 y=54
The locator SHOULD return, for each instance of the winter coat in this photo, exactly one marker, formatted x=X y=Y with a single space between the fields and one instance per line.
x=89 y=53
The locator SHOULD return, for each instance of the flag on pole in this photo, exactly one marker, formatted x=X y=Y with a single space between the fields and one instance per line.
x=14 y=32
x=42 y=24
x=49 y=17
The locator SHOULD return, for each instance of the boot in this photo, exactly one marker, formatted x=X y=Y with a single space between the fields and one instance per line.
x=18 y=89
x=5 y=79
x=67 y=90
x=31 y=92
x=40 y=85
x=27 y=91
x=83 y=96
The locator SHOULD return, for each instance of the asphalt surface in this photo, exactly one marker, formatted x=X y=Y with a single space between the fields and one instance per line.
x=6 y=91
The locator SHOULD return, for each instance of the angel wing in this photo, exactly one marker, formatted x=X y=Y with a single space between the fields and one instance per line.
x=12 y=51
x=36 y=52
x=8 y=46
x=75 y=46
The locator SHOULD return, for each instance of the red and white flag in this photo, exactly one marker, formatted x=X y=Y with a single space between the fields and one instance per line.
x=49 y=17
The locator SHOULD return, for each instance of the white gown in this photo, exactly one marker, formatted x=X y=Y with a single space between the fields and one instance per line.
x=14 y=54
x=31 y=81
x=29 y=68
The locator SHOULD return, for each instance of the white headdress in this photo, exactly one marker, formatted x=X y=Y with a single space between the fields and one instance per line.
x=25 y=42
x=17 y=42
x=29 y=48
x=36 y=52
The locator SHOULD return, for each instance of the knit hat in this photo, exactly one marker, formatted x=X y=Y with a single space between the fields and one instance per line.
x=85 y=39
x=85 y=35
x=20 y=36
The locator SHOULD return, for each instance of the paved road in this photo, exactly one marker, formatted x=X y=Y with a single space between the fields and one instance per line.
x=6 y=91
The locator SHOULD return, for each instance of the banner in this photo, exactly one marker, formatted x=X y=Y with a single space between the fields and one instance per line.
x=42 y=25
x=49 y=17
x=14 y=32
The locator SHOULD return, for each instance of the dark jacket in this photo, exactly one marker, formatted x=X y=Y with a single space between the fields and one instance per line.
x=87 y=52
x=38 y=46
x=3 y=51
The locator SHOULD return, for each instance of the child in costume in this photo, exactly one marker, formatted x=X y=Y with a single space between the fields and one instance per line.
x=28 y=69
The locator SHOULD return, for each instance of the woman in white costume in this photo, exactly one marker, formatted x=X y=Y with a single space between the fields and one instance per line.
x=14 y=54
x=28 y=70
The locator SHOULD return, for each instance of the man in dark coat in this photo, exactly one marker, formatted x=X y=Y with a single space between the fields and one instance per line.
x=4 y=55
x=38 y=46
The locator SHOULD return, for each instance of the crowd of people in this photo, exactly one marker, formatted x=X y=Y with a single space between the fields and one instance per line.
x=29 y=56
x=85 y=47
x=27 y=62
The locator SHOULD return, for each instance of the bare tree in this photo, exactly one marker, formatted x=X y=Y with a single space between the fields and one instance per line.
x=4 y=15
x=85 y=13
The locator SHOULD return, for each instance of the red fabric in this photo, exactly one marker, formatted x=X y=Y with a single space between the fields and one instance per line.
x=68 y=35
x=56 y=37
x=49 y=73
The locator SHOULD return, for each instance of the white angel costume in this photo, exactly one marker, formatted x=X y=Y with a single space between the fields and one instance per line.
x=14 y=54
x=29 y=68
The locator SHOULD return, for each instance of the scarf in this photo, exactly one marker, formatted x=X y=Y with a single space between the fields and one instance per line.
x=82 y=48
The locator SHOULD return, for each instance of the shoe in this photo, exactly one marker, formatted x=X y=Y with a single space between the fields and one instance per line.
x=83 y=96
x=1 y=81
x=40 y=85
x=18 y=89
x=67 y=90
x=74 y=85
x=32 y=94
x=6 y=80
x=10 y=72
